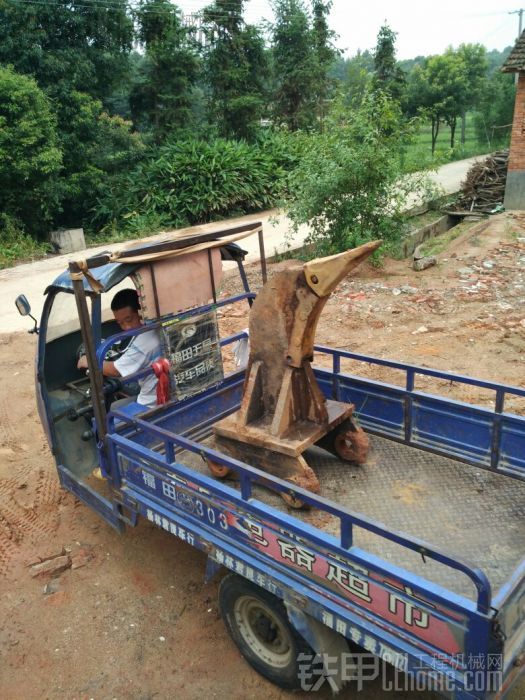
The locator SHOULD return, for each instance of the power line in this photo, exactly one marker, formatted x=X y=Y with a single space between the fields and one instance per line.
x=495 y=30
x=113 y=4
x=190 y=19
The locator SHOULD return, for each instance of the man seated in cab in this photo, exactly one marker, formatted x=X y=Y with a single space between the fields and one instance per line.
x=143 y=349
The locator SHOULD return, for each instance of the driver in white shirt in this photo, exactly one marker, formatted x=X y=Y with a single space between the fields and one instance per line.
x=143 y=349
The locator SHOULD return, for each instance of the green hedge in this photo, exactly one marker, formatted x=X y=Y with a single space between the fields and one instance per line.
x=195 y=181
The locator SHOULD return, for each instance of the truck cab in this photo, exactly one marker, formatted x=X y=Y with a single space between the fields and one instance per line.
x=73 y=403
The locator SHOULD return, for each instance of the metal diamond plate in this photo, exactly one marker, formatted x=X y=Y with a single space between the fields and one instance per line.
x=467 y=512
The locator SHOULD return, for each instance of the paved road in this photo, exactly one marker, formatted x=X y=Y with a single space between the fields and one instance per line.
x=31 y=279
x=451 y=175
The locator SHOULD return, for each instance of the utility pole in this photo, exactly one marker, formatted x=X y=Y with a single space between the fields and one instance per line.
x=520 y=13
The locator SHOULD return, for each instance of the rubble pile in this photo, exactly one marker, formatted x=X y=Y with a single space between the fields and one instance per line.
x=497 y=282
x=484 y=186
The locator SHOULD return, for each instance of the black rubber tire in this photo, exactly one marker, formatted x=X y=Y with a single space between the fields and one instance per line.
x=240 y=601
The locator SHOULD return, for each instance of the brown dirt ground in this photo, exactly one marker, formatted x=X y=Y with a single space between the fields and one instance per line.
x=135 y=621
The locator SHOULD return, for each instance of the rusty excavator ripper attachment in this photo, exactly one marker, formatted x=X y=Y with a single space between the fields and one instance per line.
x=283 y=410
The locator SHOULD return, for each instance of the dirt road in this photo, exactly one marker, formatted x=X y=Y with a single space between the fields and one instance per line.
x=131 y=618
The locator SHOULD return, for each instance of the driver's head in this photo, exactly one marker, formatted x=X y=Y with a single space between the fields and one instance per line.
x=125 y=306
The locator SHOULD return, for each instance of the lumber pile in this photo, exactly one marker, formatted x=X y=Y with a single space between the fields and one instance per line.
x=484 y=186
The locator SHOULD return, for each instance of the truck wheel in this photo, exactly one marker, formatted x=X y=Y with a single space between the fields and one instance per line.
x=218 y=470
x=352 y=445
x=259 y=626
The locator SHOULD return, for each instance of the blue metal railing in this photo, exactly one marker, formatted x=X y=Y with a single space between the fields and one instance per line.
x=410 y=395
x=412 y=370
x=105 y=346
x=248 y=476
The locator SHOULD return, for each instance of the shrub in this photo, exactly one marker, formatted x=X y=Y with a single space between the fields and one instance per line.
x=16 y=244
x=350 y=186
x=29 y=155
x=193 y=181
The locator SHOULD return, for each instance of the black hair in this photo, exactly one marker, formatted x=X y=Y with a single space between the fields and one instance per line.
x=125 y=298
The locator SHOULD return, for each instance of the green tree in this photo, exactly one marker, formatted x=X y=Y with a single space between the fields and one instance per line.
x=30 y=158
x=451 y=81
x=349 y=185
x=409 y=64
x=325 y=55
x=161 y=99
x=67 y=44
x=422 y=99
x=77 y=51
x=294 y=64
x=388 y=76
x=236 y=70
x=474 y=60
x=493 y=120
x=358 y=77
x=495 y=59
x=446 y=86
x=97 y=147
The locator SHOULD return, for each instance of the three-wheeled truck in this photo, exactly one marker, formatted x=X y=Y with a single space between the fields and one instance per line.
x=414 y=556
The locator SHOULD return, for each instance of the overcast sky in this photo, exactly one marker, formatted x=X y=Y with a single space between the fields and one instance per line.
x=423 y=28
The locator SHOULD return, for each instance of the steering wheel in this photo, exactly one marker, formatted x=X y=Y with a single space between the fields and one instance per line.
x=111 y=385
x=115 y=351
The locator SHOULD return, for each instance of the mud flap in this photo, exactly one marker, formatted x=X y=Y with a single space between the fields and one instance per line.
x=104 y=507
x=330 y=645
x=212 y=568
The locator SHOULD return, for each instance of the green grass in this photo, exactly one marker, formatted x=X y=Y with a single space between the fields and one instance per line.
x=419 y=153
x=16 y=245
x=436 y=245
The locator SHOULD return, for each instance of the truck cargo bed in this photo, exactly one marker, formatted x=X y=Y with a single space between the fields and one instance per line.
x=465 y=511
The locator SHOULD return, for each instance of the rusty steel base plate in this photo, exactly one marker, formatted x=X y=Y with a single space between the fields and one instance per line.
x=295 y=441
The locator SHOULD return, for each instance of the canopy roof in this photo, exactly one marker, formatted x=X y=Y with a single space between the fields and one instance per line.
x=171 y=243
x=103 y=271
x=107 y=277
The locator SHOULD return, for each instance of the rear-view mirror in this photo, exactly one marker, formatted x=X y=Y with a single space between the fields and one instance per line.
x=23 y=306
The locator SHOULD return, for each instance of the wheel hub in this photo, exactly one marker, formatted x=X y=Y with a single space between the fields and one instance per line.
x=263 y=631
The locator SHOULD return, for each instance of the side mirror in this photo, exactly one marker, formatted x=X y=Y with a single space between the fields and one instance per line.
x=23 y=306
x=24 y=309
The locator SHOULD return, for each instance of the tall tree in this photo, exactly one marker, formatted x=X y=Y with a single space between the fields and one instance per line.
x=493 y=119
x=474 y=61
x=78 y=52
x=423 y=98
x=67 y=44
x=446 y=86
x=325 y=55
x=162 y=96
x=388 y=76
x=295 y=64
x=236 y=69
